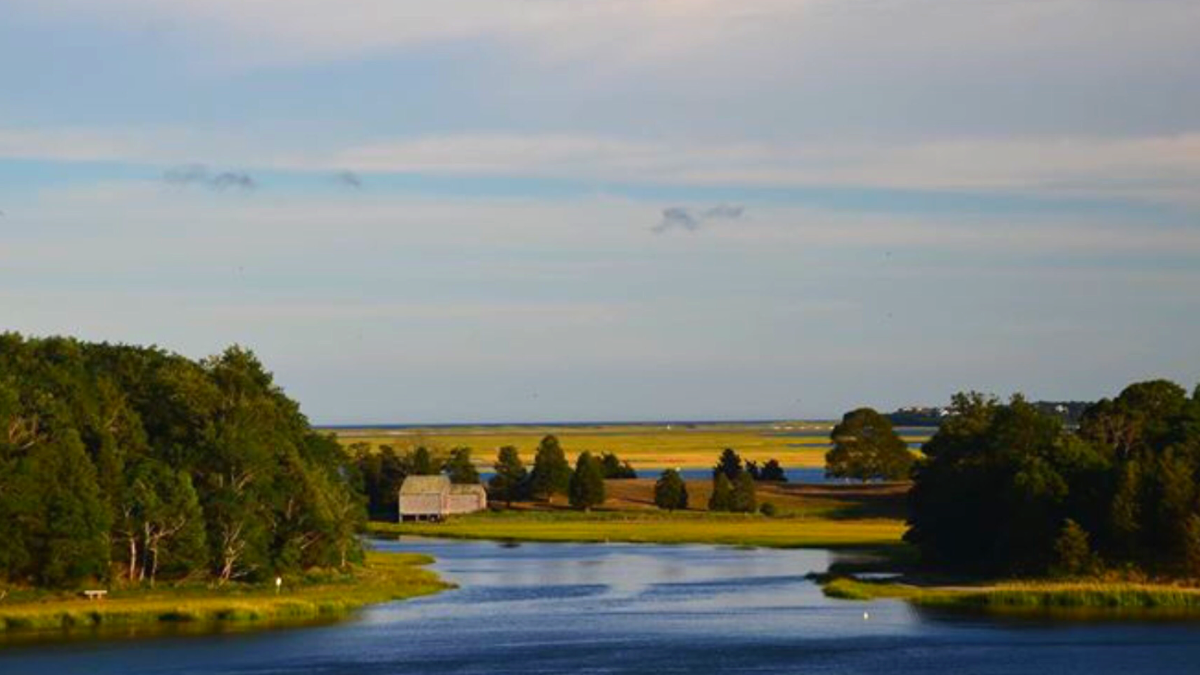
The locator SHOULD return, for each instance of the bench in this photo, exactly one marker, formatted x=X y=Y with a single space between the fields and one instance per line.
x=95 y=595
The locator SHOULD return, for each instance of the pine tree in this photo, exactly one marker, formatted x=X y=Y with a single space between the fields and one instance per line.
x=722 y=494
x=551 y=473
x=1072 y=551
x=460 y=468
x=670 y=492
x=510 y=478
x=729 y=465
x=587 y=483
x=742 y=499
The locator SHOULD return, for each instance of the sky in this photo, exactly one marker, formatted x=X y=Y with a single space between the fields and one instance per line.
x=564 y=210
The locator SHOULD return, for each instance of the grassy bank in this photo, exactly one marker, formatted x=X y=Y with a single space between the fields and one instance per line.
x=679 y=528
x=384 y=577
x=646 y=446
x=1049 y=597
x=809 y=516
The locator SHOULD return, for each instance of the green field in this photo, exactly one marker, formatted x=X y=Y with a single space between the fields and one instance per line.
x=385 y=577
x=810 y=516
x=646 y=446
x=725 y=529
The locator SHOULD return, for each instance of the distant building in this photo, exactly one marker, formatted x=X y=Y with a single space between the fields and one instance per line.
x=434 y=498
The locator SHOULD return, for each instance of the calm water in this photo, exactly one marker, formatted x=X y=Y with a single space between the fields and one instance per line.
x=567 y=608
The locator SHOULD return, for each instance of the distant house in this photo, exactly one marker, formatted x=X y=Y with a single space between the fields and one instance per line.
x=434 y=498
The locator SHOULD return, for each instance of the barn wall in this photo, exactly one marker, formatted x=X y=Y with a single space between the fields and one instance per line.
x=421 y=505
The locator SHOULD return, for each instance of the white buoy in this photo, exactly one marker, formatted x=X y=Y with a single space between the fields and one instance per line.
x=866 y=616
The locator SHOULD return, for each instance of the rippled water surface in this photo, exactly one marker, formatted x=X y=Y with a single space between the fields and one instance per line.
x=568 y=608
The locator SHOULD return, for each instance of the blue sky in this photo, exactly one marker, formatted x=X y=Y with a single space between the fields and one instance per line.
x=496 y=210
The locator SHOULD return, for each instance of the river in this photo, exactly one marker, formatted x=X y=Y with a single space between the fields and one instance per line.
x=614 y=608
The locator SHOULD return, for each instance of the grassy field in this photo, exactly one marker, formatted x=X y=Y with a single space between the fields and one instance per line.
x=646 y=446
x=809 y=516
x=1084 y=598
x=385 y=577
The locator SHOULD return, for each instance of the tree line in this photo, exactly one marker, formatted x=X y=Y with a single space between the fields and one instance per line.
x=130 y=463
x=1006 y=488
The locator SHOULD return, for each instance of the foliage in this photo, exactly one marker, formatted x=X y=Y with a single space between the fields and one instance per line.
x=670 y=492
x=722 y=494
x=587 y=482
x=133 y=461
x=615 y=469
x=772 y=472
x=460 y=468
x=1072 y=551
x=509 y=483
x=729 y=465
x=865 y=447
x=742 y=499
x=768 y=509
x=998 y=481
x=551 y=473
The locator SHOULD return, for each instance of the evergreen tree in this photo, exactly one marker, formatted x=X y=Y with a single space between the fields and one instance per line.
x=510 y=478
x=729 y=465
x=460 y=468
x=722 y=494
x=421 y=462
x=1072 y=551
x=670 y=492
x=587 y=483
x=742 y=498
x=69 y=538
x=551 y=473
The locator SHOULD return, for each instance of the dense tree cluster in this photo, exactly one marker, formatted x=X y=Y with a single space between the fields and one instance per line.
x=381 y=471
x=670 y=492
x=866 y=447
x=615 y=469
x=733 y=486
x=128 y=462
x=1009 y=489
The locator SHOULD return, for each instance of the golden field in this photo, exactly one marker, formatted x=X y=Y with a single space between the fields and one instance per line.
x=645 y=446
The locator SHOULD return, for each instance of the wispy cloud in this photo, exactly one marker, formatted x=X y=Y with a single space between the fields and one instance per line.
x=198 y=174
x=691 y=220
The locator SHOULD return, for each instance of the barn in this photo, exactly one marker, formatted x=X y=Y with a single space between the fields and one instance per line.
x=434 y=498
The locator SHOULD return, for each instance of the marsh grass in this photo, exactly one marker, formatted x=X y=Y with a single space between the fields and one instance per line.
x=1081 y=598
x=660 y=528
x=646 y=446
x=384 y=577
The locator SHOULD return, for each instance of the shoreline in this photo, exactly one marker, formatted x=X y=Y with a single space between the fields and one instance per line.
x=1080 y=599
x=384 y=577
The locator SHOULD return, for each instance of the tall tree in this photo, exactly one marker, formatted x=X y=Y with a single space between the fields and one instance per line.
x=722 y=494
x=729 y=464
x=460 y=468
x=865 y=447
x=742 y=499
x=510 y=478
x=587 y=483
x=551 y=473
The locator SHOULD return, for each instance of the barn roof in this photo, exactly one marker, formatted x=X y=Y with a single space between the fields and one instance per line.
x=416 y=485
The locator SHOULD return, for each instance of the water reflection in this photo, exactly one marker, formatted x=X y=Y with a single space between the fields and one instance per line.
x=612 y=608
